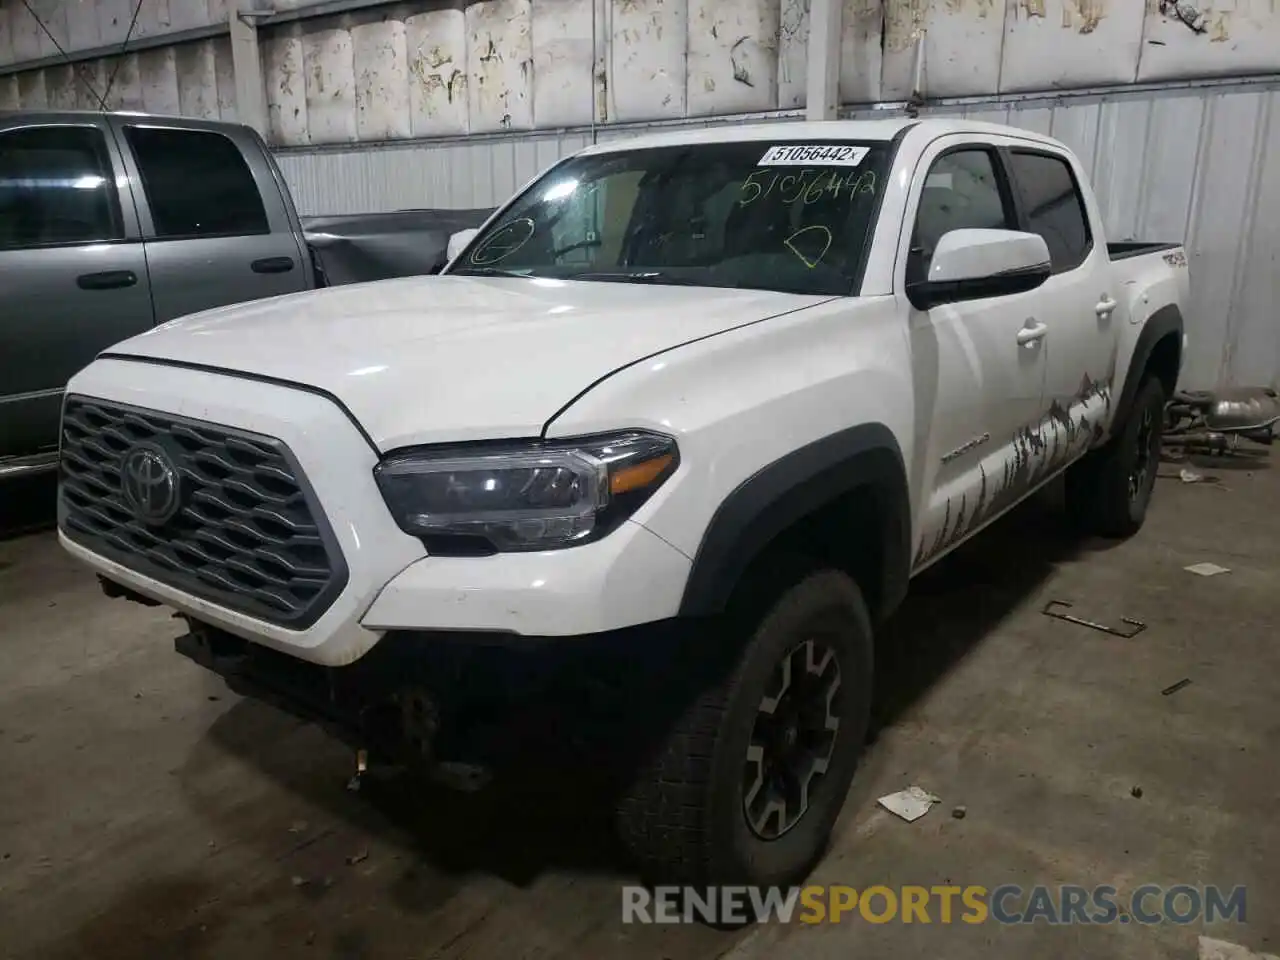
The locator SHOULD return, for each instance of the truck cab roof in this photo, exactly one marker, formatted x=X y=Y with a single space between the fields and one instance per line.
x=864 y=130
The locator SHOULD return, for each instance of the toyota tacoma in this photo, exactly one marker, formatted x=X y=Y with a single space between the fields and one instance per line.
x=673 y=429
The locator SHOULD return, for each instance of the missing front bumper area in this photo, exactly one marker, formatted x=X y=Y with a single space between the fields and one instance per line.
x=455 y=706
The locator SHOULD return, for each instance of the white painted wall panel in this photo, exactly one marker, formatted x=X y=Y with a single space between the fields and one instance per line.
x=861 y=55
x=1071 y=43
x=82 y=25
x=905 y=23
x=963 y=46
x=60 y=87
x=793 y=46
x=24 y=34
x=153 y=18
x=113 y=19
x=499 y=65
x=648 y=49
x=157 y=69
x=286 y=86
x=382 y=80
x=1241 y=36
x=563 y=82
x=197 y=80
x=437 y=48
x=31 y=90
x=123 y=87
x=733 y=56
x=93 y=76
x=330 y=78
x=224 y=66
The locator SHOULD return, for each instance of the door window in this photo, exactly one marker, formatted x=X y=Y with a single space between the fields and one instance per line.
x=961 y=191
x=197 y=184
x=1054 y=207
x=56 y=188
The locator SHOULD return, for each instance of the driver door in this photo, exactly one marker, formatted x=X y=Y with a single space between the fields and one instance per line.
x=979 y=370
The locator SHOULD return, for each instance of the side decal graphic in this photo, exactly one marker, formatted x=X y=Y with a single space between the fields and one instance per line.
x=1036 y=454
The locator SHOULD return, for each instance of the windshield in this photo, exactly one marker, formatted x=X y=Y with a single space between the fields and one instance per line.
x=793 y=217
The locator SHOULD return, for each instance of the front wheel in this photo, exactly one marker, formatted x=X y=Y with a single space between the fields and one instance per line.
x=747 y=786
x=1108 y=492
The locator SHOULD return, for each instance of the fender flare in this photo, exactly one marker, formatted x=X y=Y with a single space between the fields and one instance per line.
x=1164 y=322
x=792 y=487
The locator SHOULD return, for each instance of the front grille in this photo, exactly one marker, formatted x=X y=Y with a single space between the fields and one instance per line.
x=247 y=534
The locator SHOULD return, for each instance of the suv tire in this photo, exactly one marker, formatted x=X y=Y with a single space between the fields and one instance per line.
x=695 y=814
x=1108 y=492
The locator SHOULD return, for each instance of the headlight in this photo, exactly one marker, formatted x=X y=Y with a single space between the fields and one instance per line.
x=527 y=496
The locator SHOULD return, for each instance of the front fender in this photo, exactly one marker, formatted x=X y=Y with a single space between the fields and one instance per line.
x=791 y=488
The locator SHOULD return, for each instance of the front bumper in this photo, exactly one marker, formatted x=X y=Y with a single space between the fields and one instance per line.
x=630 y=577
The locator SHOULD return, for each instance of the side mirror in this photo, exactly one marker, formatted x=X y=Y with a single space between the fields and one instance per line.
x=458 y=242
x=976 y=264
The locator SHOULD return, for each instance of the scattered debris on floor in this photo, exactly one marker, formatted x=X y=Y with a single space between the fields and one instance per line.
x=1211 y=949
x=1175 y=687
x=362 y=765
x=298 y=826
x=1136 y=792
x=1206 y=569
x=910 y=804
x=1132 y=627
x=959 y=812
x=358 y=857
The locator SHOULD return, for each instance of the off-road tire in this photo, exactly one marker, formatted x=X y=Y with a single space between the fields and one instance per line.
x=682 y=816
x=1100 y=497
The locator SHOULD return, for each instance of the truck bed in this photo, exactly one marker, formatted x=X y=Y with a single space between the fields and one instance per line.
x=1137 y=248
x=376 y=246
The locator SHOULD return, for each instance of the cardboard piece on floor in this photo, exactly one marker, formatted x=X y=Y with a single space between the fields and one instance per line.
x=1206 y=569
x=909 y=804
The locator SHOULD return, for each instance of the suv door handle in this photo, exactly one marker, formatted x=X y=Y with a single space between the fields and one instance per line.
x=272 y=265
x=1031 y=332
x=106 y=280
x=1105 y=306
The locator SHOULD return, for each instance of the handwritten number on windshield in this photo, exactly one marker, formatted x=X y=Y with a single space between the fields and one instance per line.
x=808 y=186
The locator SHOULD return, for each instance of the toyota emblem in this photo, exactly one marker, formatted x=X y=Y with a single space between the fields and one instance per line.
x=150 y=484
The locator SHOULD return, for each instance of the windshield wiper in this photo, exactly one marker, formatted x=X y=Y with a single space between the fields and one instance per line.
x=487 y=272
x=636 y=276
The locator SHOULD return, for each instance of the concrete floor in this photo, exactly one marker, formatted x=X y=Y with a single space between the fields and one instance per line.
x=145 y=812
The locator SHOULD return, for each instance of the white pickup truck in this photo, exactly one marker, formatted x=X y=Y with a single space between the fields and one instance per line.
x=663 y=444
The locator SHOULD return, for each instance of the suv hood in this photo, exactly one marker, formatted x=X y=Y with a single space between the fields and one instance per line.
x=444 y=359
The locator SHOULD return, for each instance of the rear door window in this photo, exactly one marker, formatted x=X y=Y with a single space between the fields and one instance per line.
x=57 y=188
x=1053 y=206
x=197 y=184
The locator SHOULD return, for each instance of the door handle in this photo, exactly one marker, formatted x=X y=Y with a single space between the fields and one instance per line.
x=1105 y=306
x=1032 y=332
x=106 y=280
x=272 y=265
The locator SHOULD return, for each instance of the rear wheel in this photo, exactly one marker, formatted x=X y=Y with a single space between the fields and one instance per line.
x=746 y=787
x=1109 y=491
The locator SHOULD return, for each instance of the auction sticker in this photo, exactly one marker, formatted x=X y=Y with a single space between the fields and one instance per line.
x=821 y=154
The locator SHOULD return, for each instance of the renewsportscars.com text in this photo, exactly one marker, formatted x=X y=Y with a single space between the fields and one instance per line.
x=973 y=904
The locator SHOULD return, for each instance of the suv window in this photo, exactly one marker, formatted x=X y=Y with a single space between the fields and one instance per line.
x=1054 y=207
x=56 y=187
x=961 y=191
x=197 y=184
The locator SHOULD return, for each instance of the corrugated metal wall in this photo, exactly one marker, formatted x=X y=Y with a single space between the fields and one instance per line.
x=1187 y=165
x=426 y=68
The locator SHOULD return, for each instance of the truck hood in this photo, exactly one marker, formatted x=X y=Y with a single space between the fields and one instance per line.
x=445 y=359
